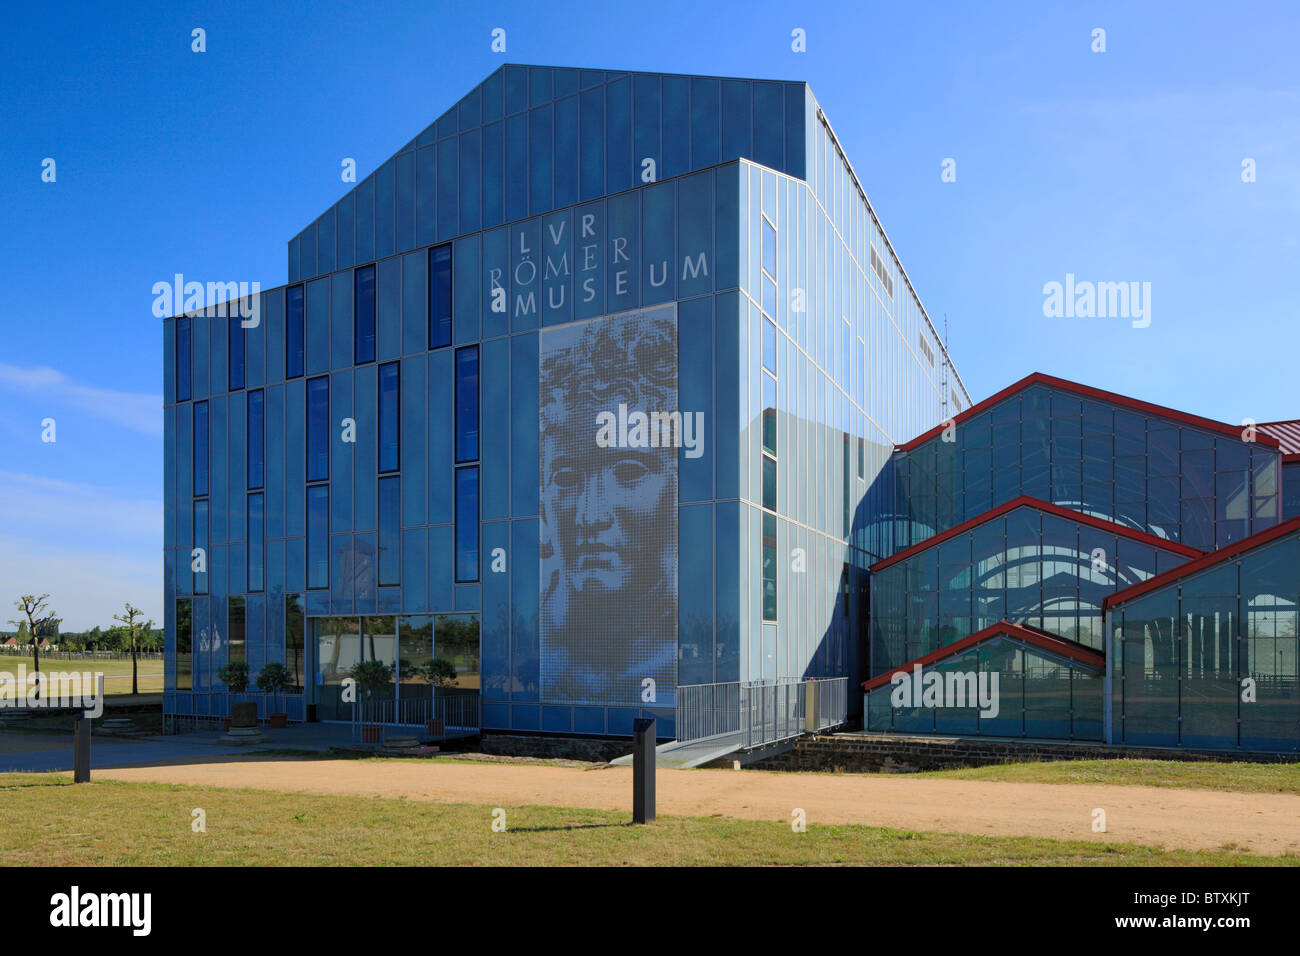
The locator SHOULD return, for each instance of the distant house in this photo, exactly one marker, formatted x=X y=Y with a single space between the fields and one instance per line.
x=14 y=642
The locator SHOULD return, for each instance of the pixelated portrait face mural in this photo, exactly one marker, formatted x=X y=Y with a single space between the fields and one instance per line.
x=609 y=509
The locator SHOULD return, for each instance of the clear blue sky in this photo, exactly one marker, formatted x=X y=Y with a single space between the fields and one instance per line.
x=1115 y=166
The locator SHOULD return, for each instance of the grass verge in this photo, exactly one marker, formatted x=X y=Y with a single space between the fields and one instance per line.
x=1238 y=777
x=112 y=823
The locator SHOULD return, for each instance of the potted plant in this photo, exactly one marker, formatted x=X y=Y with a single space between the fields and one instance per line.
x=441 y=674
x=235 y=676
x=371 y=676
x=273 y=679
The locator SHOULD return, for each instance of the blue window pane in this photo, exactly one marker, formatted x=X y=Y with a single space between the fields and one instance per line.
x=182 y=359
x=318 y=439
x=255 y=542
x=200 y=448
x=467 y=404
x=364 y=315
x=256 y=439
x=318 y=550
x=439 y=296
x=235 y=353
x=390 y=531
x=467 y=524
x=201 y=542
x=769 y=248
x=389 y=446
x=769 y=308
x=293 y=332
x=769 y=567
x=769 y=417
x=769 y=346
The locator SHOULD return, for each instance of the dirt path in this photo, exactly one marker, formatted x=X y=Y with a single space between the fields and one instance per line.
x=1190 y=819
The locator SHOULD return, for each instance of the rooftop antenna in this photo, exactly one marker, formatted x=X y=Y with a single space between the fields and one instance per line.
x=943 y=373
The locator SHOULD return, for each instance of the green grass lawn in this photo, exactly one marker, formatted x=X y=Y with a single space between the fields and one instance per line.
x=117 y=673
x=1243 y=777
x=110 y=823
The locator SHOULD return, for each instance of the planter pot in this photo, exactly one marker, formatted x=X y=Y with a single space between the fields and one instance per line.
x=435 y=727
x=278 y=720
x=372 y=733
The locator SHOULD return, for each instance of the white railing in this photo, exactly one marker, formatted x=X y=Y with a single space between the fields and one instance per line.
x=761 y=712
x=440 y=718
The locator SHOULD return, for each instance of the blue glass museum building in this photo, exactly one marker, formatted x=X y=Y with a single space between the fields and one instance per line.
x=609 y=384
x=585 y=393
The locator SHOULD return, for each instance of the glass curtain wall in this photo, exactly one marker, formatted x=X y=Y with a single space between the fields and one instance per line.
x=1179 y=482
x=1028 y=567
x=1210 y=660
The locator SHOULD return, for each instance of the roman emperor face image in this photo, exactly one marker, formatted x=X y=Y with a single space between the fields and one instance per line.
x=608 y=511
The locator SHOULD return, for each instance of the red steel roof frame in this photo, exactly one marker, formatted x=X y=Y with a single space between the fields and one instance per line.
x=1210 y=559
x=1045 y=506
x=1041 y=639
x=1040 y=378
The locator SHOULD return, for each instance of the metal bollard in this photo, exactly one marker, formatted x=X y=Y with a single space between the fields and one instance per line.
x=643 y=770
x=81 y=749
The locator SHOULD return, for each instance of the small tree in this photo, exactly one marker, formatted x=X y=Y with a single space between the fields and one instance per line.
x=273 y=679
x=234 y=675
x=441 y=673
x=371 y=675
x=38 y=622
x=132 y=634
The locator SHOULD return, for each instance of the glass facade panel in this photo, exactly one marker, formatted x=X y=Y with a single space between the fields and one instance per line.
x=467 y=402
x=390 y=530
x=467 y=518
x=256 y=431
x=202 y=444
x=235 y=351
x=440 y=282
x=184 y=644
x=364 y=315
x=182 y=361
x=294 y=342
x=389 y=425
x=235 y=645
x=255 y=542
x=318 y=429
x=318 y=553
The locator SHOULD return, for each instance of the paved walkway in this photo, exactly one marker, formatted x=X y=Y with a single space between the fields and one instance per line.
x=25 y=752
